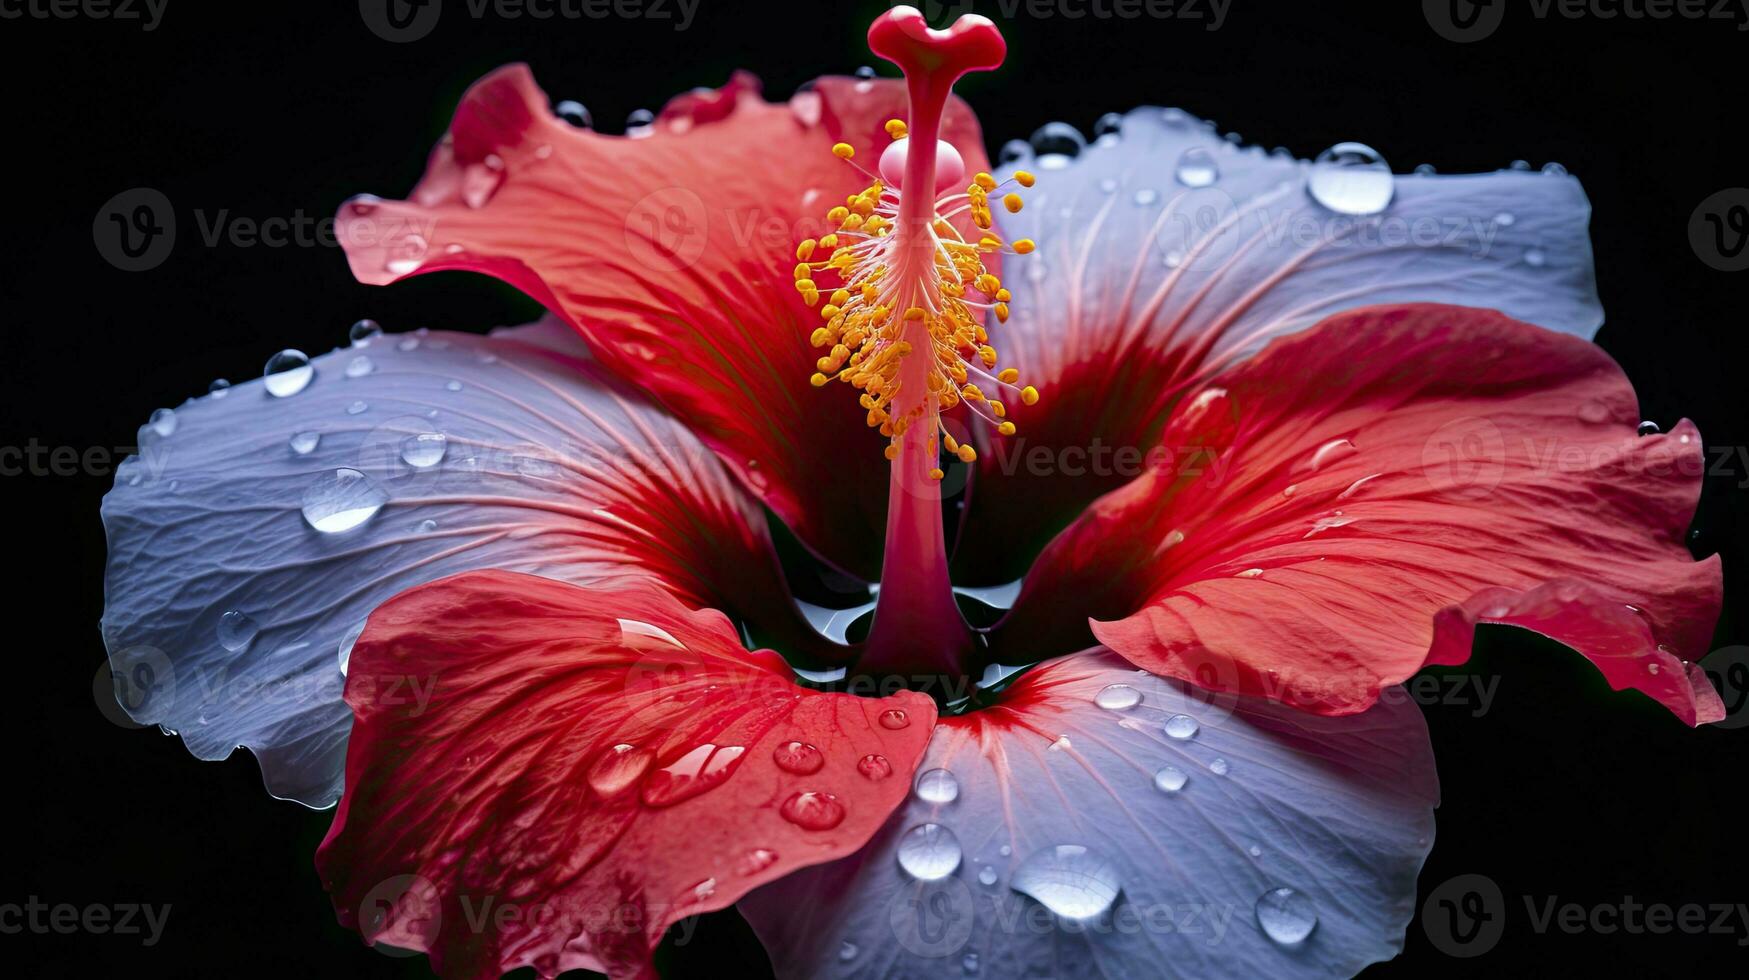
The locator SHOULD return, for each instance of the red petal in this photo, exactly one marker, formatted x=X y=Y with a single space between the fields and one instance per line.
x=1356 y=497
x=672 y=254
x=483 y=768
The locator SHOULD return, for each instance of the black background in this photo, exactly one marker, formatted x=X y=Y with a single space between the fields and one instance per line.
x=1563 y=789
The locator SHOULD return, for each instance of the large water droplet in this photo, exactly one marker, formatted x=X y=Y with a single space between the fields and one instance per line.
x=287 y=373
x=364 y=331
x=1070 y=880
x=237 y=630
x=618 y=768
x=1118 y=697
x=640 y=122
x=1110 y=124
x=342 y=500
x=162 y=421
x=1014 y=150
x=875 y=767
x=1181 y=726
x=1351 y=178
x=702 y=769
x=1197 y=168
x=1170 y=779
x=219 y=388
x=424 y=450
x=575 y=113
x=1287 y=916
x=798 y=757
x=929 y=852
x=812 y=810
x=1649 y=428
x=304 y=443
x=1056 y=144
x=938 y=786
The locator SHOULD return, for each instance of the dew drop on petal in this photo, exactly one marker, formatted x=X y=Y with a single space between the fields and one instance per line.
x=987 y=875
x=1287 y=916
x=1170 y=779
x=701 y=769
x=363 y=332
x=219 y=388
x=1146 y=197
x=1069 y=879
x=938 y=786
x=1110 y=124
x=1219 y=767
x=1197 y=168
x=1351 y=178
x=163 y=421
x=929 y=852
x=287 y=373
x=618 y=768
x=424 y=450
x=1055 y=144
x=452 y=386
x=305 y=443
x=347 y=642
x=359 y=366
x=798 y=757
x=341 y=500
x=640 y=123
x=969 y=963
x=1535 y=258
x=874 y=767
x=237 y=630
x=575 y=113
x=1014 y=151
x=811 y=810
x=357 y=408
x=846 y=952
x=1181 y=726
x=894 y=719
x=755 y=861
x=1649 y=429
x=1118 y=697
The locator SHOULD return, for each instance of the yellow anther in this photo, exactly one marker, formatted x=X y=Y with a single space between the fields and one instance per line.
x=829 y=311
x=896 y=128
x=1002 y=312
x=972 y=394
x=1006 y=428
x=1023 y=246
x=998 y=409
x=835 y=216
x=989 y=243
x=1007 y=377
x=819 y=380
x=829 y=241
x=1012 y=203
x=805 y=249
x=892 y=450
x=1029 y=395
x=1023 y=178
x=843 y=151
x=914 y=313
x=805 y=284
x=936 y=474
x=987 y=354
x=968 y=455
x=821 y=337
x=984 y=180
x=803 y=271
x=851 y=223
x=840 y=297
x=950 y=444
x=1003 y=296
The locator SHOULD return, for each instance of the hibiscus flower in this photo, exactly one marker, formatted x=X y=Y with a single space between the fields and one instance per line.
x=1235 y=444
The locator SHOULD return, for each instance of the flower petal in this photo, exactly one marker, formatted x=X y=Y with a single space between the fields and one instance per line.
x=231 y=610
x=1341 y=509
x=672 y=253
x=1110 y=332
x=1339 y=810
x=596 y=763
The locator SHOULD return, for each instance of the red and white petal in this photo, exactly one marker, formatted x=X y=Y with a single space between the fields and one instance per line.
x=229 y=612
x=1340 y=510
x=1175 y=834
x=1142 y=282
x=673 y=254
x=548 y=775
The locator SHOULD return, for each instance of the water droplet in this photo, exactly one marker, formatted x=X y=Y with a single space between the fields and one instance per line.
x=704 y=889
x=1014 y=150
x=364 y=331
x=1425 y=170
x=1197 y=168
x=811 y=810
x=987 y=875
x=237 y=631
x=1651 y=668
x=1649 y=428
x=1287 y=916
x=640 y=122
x=575 y=113
x=969 y=963
x=1146 y=197
x=929 y=852
x=895 y=719
x=1108 y=185
x=347 y=642
x=1553 y=169
x=1174 y=259
x=865 y=72
x=1520 y=165
x=1254 y=851
x=426 y=526
x=1351 y=178
x=453 y=386
x=1061 y=744
x=1331 y=451
x=219 y=388
x=1110 y=124
x=1181 y=726
x=874 y=767
x=938 y=786
x=356 y=408
x=846 y=952
x=305 y=443
x=618 y=768
x=1070 y=880
x=755 y=861
x=163 y=421
x=408 y=343
x=703 y=768
x=287 y=373
x=424 y=450
x=359 y=366
x=798 y=757
x=1170 y=779
x=1535 y=258
x=1505 y=219
x=1219 y=767
x=1118 y=697
x=1055 y=144
x=342 y=500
